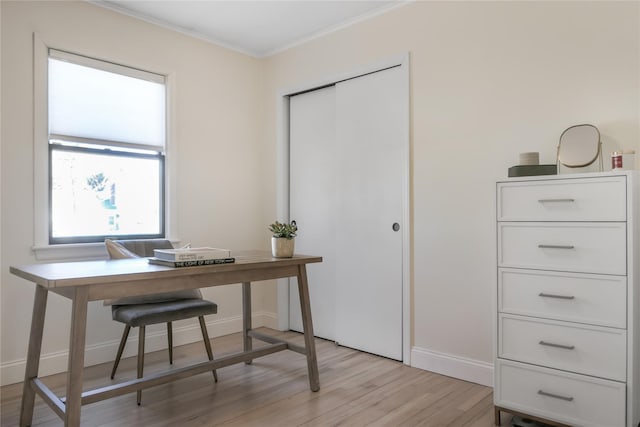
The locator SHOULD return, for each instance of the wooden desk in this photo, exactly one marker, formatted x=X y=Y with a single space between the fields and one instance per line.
x=97 y=280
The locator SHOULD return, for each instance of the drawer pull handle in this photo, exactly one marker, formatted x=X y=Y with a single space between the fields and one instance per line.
x=555 y=396
x=555 y=200
x=550 y=344
x=542 y=294
x=556 y=246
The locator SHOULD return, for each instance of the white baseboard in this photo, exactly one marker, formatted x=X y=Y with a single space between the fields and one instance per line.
x=269 y=320
x=475 y=371
x=56 y=362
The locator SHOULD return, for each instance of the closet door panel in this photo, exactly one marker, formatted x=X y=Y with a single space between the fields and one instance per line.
x=369 y=130
x=313 y=203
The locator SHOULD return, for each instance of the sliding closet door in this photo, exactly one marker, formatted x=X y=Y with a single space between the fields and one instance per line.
x=313 y=202
x=370 y=126
x=346 y=193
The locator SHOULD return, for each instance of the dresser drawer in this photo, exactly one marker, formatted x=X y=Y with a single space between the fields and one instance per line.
x=578 y=247
x=583 y=298
x=584 y=349
x=583 y=199
x=568 y=398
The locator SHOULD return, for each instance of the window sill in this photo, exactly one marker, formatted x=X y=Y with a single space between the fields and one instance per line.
x=76 y=251
x=71 y=252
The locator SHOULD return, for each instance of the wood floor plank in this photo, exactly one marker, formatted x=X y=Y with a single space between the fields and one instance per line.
x=356 y=389
x=332 y=395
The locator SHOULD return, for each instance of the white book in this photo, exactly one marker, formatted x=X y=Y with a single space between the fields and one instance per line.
x=191 y=254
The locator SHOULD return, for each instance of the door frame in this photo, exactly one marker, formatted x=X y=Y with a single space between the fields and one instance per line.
x=282 y=184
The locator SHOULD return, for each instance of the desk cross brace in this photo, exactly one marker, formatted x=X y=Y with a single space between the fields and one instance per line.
x=96 y=395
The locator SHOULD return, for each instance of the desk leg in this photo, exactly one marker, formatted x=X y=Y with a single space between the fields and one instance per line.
x=33 y=355
x=246 y=318
x=76 y=357
x=307 y=324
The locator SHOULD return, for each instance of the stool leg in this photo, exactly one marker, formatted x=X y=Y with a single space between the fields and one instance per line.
x=123 y=341
x=207 y=343
x=170 y=342
x=141 y=332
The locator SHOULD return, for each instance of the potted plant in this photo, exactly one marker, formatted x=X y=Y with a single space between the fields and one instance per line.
x=282 y=242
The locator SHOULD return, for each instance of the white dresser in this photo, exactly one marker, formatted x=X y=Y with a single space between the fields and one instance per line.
x=568 y=299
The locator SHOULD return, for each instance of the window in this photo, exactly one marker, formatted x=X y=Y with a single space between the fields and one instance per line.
x=106 y=138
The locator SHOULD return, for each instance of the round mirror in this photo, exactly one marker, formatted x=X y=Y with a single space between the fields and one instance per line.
x=579 y=146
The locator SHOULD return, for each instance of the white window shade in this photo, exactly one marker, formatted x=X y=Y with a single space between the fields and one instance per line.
x=92 y=103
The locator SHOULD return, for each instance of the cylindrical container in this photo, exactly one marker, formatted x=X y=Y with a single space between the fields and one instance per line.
x=616 y=160
x=531 y=158
x=628 y=159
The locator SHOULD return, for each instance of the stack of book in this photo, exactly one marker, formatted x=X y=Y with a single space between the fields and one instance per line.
x=189 y=257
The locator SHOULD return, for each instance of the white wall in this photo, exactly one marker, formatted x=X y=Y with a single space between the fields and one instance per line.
x=489 y=80
x=218 y=166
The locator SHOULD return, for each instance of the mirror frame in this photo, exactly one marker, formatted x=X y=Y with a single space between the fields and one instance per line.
x=590 y=162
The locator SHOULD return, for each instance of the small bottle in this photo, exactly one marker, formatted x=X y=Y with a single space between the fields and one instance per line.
x=616 y=160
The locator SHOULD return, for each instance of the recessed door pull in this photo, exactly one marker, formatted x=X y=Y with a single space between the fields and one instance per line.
x=555 y=200
x=542 y=294
x=556 y=246
x=555 y=396
x=550 y=344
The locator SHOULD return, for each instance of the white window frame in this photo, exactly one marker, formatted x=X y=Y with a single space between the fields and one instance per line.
x=80 y=251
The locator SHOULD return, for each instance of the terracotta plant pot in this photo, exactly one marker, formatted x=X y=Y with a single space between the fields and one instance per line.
x=281 y=247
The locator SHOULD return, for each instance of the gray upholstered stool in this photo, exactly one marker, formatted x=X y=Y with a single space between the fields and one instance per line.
x=152 y=309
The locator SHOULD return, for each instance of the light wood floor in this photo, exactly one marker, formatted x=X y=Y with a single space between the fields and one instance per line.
x=356 y=389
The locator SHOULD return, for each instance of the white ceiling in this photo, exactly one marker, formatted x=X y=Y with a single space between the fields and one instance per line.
x=256 y=28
